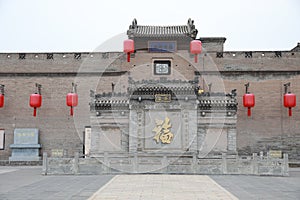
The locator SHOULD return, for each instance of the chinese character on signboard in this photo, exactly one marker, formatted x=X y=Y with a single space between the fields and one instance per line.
x=162 y=131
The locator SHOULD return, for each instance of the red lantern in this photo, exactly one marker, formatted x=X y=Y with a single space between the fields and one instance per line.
x=289 y=100
x=248 y=99
x=1 y=100
x=72 y=101
x=128 y=48
x=196 y=48
x=72 y=98
x=249 y=102
x=1 y=96
x=35 y=102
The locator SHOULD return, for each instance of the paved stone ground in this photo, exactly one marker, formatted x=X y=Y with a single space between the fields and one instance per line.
x=28 y=183
x=262 y=187
x=171 y=187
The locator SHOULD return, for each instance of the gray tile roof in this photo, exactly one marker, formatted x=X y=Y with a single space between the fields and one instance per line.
x=162 y=31
x=151 y=31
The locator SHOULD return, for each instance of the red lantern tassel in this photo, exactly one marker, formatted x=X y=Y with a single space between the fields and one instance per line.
x=128 y=57
x=249 y=111
x=34 y=112
x=290 y=111
x=71 y=111
x=196 y=58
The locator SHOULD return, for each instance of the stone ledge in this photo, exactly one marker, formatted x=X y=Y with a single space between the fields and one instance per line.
x=24 y=158
x=20 y=163
x=25 y=146
x=166 y=164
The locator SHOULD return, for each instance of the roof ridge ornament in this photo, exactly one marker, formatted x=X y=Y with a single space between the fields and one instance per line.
x=192 y=29
x=134 y=24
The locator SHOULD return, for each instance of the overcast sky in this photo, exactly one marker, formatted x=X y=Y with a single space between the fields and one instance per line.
x=71 y=26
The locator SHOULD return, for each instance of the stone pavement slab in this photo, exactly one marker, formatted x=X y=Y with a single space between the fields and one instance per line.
x=3 y=171
x=28 y=183
x=162 y=187
x=262 y=187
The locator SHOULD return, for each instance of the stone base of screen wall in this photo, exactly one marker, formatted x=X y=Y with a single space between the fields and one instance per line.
x=109 y=163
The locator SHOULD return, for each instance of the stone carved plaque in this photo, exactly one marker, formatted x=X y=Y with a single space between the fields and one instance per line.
x=26 y=136
x=174 y=127
x=26 y=146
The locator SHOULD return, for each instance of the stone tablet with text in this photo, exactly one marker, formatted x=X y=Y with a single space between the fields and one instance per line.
x=26 y=145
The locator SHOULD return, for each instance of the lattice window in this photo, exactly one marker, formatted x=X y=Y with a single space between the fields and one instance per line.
x=77 y=56
x=278 y=54
x=248 y=54
x=22 y=56
x=49 y=55
x=219 y=54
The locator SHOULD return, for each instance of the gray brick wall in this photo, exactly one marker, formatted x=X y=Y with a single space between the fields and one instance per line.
x=58 y=130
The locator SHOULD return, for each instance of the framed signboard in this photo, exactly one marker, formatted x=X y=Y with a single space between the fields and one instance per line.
x=163 y=98
x=162 y=46
x=2 y=139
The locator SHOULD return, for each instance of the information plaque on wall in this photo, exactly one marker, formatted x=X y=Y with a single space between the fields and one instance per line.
x=2 y=138
x=163 y=98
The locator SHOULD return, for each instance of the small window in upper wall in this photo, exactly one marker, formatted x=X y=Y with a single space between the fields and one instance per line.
x=278 y=54
x=49 y=56
x=22 y=56
x=162 y=67
x=77 y=56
